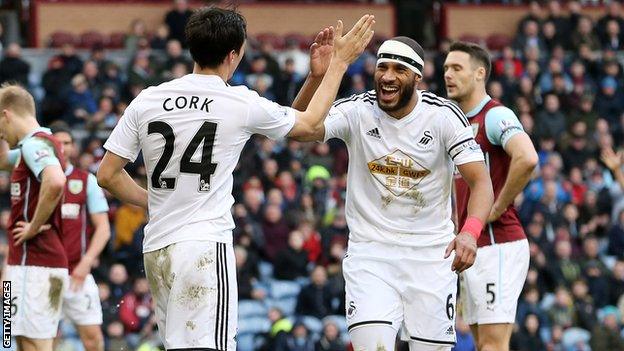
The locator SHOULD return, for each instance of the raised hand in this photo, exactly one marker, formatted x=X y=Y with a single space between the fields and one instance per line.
x=321 y=52
x=611 y=159
x=349 y=47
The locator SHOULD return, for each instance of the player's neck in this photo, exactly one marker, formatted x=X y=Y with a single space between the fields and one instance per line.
x=473 y=100
x=25 y=127
x=221 y=71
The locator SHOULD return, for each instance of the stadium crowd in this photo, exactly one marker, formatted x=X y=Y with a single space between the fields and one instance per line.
x=562 y=75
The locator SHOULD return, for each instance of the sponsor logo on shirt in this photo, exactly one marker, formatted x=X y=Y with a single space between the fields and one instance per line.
x=398 y=172
x=70 y=211
x=41 y=154
x=16 y=189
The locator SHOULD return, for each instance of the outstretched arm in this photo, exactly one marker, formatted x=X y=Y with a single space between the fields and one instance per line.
x=309 y=124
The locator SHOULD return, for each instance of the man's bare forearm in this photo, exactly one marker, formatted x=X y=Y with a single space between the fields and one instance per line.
x=303 y=98
x=123 y=187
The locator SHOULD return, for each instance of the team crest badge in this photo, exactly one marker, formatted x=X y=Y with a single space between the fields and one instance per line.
x=75 y=186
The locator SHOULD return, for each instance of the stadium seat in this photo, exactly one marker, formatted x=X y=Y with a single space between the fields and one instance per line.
x=116 y=40
x=266 y=270
x=471 y=38
x=90 y=39
x=60 y=38
x=287 y=305
x=496 y=42
x=572 y=337
x=313 y=324
x=245 y=342
x=254 y=325
x=251 y=308
x=284 y=289
x=340 y=321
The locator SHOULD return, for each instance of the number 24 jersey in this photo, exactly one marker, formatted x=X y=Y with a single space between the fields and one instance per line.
x=191 y=131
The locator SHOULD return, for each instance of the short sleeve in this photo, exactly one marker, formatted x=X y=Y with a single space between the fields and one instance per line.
x=96 y=201
x=13 y=156
x=338 y=123
x=269 y=118
x=124 y=140
x=458 y=137
x=501 y=124
x=38 y=154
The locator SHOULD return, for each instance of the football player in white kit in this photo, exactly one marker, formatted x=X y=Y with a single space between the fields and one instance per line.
x=403 y=147
x=191 y=131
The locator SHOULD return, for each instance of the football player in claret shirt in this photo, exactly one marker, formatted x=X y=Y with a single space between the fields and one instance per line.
x=86 y=231
x=37 y=263
x=494 y=283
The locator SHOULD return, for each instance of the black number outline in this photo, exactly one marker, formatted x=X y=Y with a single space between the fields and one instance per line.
x=490 y=292
x=164 y=129
x=450 y=306
x=205 y=168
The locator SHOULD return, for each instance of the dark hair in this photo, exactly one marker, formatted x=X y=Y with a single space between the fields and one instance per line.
x=212 y=33
x=61 y=128
x=476 y=53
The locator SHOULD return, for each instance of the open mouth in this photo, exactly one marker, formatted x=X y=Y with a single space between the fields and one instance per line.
x=388 y=92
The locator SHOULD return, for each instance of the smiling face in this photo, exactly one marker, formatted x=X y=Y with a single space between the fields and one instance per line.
x=395 y=85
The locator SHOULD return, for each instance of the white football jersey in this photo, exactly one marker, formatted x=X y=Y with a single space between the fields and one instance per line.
x=401 y=170
x=192 y=131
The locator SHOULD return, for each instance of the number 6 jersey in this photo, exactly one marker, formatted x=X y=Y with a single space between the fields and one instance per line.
x=191 y=131
x=401 y=170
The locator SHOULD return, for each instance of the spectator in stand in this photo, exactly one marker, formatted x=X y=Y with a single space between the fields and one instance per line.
x=80 y=101
x=584 y=305
x=276 y=232
x=138 y=32
x=606 y=336
x=176 y=20
x=551 y=121
x=135 y=306
x=298 y=339
x=330 y=339
x=12 y=67
x=562 y=312
x=247 y=275
x=72 y=63
x=613 y=37
x=528 y=338
x=292 y=261
x=161 y=37
x=119 y=286
x=585 y=35
x=315 y=299
x=175 y=56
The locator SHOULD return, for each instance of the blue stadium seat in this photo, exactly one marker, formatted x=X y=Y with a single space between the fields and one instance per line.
x=266 y=271
x=253 y=325
x=284 y=288
x=245 y=342
x=313 y=324
x=286 y=304
x=251 y=308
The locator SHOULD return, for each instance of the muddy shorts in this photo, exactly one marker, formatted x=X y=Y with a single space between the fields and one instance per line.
x=36 y=298
x=193 y=284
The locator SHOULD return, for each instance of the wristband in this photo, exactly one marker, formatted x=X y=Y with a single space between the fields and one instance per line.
x=473 y=226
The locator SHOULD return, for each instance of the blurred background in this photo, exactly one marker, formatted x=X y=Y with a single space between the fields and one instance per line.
x=557 y=64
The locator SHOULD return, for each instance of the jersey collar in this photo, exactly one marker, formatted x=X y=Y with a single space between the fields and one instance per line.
x=69 y=169
x=34 y=131
x=206 y=78
x=479 y=107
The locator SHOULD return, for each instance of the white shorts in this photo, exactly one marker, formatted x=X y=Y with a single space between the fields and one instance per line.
x=83 y=307
x=193 y=284
x=492 y=286
x=36 y=299
x=410 y=289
